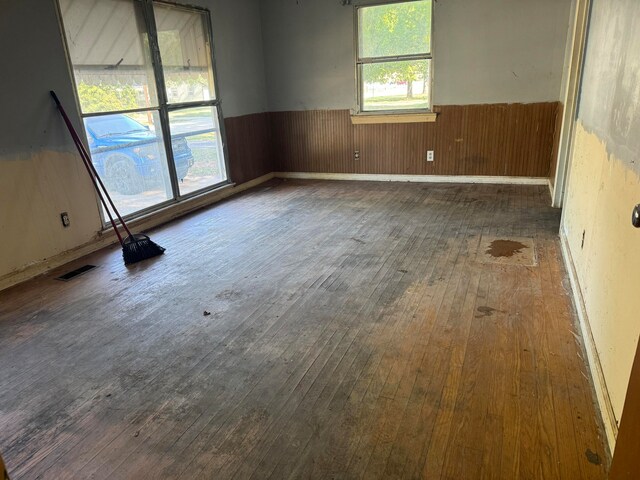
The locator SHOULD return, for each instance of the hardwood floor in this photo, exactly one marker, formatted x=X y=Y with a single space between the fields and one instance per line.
x=355 y=330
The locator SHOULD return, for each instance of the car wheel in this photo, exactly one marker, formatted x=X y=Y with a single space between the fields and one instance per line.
x=122 y=175
x=182 y=174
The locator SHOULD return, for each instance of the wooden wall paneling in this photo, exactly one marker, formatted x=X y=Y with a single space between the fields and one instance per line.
x=543 y=129
x=556 y=143
x=248 y=145
x=555 y=125
x=473 y=156
x=495 y=139
x=277 y=149
x=511 y=142
x=532 y=136
x=313 y=141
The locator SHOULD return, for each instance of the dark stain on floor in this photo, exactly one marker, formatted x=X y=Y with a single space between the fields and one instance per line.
x=505 y=248
x=593 y=457
x=485 y=311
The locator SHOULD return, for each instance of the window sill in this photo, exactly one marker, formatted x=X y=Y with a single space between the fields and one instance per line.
x=174 y=209
x=370 y=119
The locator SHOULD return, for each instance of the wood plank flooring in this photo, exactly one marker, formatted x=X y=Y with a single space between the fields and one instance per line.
x=354 y=331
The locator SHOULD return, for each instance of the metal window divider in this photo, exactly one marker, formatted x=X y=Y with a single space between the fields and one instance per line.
x=165 y=107
x=156 y=61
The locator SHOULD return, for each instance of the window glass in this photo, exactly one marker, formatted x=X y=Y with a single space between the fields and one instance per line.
x=394 y=64
x=109 y=50
x=395 y=29
x=197 y=148
x=129 y=154
x=395 y=85
x=186 y=54
x=107 y=126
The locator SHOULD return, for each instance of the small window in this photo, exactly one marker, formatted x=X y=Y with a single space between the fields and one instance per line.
x=394 y=60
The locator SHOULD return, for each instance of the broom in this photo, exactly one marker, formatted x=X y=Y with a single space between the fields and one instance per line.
x=134 y=247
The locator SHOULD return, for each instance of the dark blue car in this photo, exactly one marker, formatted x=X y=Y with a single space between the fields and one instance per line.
x=129 y=156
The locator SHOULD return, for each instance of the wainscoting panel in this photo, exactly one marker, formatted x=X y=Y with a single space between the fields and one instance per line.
x=248 y=145
x=313 y=141
x=556 y=144
x=495 y=139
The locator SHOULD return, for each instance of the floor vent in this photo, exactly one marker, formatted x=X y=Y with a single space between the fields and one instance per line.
x=75 y=273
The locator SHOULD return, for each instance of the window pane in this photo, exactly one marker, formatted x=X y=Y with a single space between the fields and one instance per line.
x=109 y=50
x=396 y=85
x=185 y=52
x=128 y=153
x=197 y=148
x=395 y=29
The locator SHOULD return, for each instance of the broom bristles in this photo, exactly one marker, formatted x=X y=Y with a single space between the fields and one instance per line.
x=139 y=247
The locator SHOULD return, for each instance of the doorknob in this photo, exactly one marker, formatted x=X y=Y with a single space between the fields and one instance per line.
x=635 y=218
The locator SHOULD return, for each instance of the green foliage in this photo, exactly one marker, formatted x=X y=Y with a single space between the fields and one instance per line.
x=106 y=98
x=396 y=29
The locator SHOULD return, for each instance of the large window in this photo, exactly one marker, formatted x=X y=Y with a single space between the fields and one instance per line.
x=394 y=57
x=145 y=84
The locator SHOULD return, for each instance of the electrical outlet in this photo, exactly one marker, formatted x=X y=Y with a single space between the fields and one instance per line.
x=356 y=155
x=429 y=156
x=64 y=216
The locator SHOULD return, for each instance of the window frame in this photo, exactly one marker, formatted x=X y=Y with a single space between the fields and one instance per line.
x=164 y=107
x=359 y=62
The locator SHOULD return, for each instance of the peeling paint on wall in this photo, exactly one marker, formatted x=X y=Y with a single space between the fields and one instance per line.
x=604 y=186
x=610 y=97
x=605 y=249
x=36 y=188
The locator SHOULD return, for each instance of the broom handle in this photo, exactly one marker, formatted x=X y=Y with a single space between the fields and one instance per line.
x=78 y=145
x=87 y=161
x=102 y=200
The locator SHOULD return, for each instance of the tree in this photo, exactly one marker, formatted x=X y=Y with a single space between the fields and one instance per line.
x=392 y=30
x=106 y=98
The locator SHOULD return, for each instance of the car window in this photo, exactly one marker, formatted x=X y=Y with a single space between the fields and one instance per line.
x=112 y=125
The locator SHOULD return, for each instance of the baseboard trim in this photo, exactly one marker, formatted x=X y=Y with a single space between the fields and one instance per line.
x=372 y=177
x=593 y=359
x=107 y=237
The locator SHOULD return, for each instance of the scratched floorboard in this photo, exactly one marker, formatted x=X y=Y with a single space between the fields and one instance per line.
x=356 y=330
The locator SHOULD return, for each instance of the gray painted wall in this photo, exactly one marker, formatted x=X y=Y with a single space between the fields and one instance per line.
x=34 y=62
x=40 y=173
x=610 y=97
x=237 y=33
x=486 y=51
